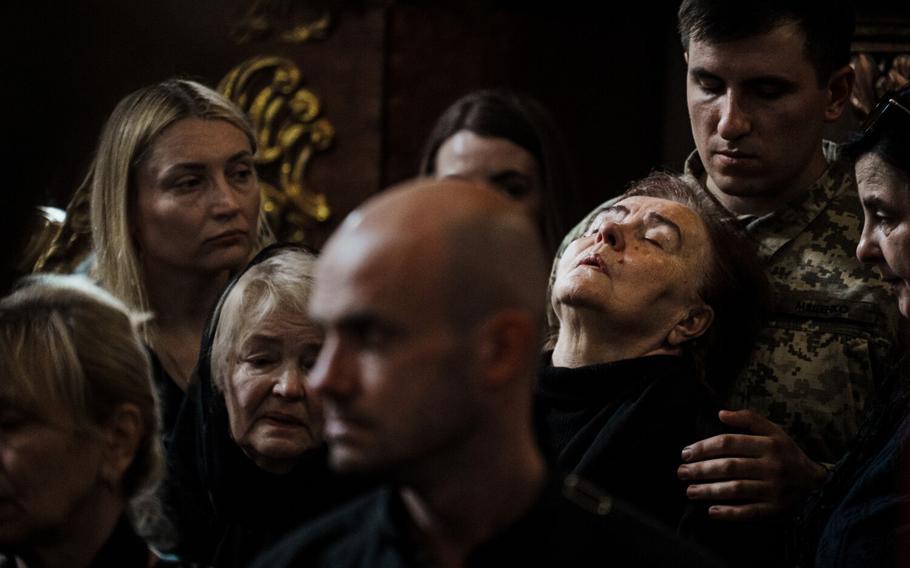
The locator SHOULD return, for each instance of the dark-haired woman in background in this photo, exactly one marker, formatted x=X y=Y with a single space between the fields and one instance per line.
x=861 y=516
x=511 y=141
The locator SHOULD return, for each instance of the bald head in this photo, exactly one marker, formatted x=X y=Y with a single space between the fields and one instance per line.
x=467 y=242
x=431 y=296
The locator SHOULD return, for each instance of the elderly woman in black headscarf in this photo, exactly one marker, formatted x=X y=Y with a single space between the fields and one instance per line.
x=251 y=463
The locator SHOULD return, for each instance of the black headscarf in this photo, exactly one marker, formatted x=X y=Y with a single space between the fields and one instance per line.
x=228 y=509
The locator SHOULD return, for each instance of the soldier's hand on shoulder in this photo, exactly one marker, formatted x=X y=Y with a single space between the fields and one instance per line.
x=760 y=473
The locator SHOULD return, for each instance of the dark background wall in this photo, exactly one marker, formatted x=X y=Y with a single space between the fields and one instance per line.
x=614 y=80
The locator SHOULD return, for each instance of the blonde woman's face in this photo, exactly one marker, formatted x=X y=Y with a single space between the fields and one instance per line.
x=197 y=199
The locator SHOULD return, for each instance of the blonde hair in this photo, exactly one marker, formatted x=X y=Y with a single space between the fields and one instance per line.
x=66 y=342
x=129 y=133
x=279 y=284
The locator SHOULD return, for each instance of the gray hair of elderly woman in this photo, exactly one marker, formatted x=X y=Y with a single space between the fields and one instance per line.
x=734 y=283
x=280 y=284
x=66 y=342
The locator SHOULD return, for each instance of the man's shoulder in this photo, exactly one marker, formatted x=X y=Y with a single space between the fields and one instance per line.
x=338 y=538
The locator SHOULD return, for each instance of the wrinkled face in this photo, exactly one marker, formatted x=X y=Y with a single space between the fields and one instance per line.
x=273 y=416
x=48 y=473
x=197 y=198
x=885 y=194
x=506 y=165
x=639 y=264
x=393 y=373
x=757 y=112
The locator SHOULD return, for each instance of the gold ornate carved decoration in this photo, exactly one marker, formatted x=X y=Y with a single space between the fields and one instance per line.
x=289 y=131
x=881 y=60
x=288 y=20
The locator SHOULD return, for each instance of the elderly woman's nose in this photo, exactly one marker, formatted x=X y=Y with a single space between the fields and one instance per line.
x=611 y=232
x=290 y=383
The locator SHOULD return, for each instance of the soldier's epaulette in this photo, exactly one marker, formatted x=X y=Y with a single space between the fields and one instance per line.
x=587 y=495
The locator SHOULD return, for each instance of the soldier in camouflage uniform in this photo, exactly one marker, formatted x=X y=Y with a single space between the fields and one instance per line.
x=757 y=121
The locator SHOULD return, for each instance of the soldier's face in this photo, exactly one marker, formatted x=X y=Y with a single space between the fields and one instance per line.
x=885 y=194
x=757 y=112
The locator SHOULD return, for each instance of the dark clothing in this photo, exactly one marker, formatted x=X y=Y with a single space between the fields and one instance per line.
x=861 y=516
x=224 y=507
x=170 y=397
x=376 y=531
x=123 y=549
x=866 y=527
x=623 y=426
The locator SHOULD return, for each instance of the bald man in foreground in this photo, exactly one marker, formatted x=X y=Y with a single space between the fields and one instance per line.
x=432 y=299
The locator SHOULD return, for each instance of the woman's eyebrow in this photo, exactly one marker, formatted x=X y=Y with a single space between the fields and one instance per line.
x=654 y=218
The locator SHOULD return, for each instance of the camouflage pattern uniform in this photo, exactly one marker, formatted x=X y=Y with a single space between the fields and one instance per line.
x=830 y=339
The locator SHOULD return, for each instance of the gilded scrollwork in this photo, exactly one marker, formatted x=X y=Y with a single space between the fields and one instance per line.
x=289 y=131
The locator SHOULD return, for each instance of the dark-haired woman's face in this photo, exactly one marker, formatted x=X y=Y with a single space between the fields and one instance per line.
x=885 y=194
x=197 y=198
x=506 y=165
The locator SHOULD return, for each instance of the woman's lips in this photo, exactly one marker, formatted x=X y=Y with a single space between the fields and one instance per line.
x=594 y=261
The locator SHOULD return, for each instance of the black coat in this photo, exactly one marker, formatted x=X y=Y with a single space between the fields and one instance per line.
x=623 y=426
x=225 y=508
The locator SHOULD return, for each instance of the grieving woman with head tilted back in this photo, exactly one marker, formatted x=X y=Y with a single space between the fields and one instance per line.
x=658 y=303
x=175 y=211
x=79 y=445
x=259 y=459
x=861 y=516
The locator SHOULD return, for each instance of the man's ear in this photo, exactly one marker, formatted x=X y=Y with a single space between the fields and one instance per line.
x=695 y=323
x=122 y=435
x=839 y=89
x=506 y=342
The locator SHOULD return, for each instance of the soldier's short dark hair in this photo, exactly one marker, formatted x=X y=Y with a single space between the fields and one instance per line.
x=828 y=25
x=734 y=285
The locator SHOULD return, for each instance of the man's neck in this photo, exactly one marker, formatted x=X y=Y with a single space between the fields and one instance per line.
x=763 y=203
x=461 y=508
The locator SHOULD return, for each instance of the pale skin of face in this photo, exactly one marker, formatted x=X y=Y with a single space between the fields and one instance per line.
x=273 y=416
x=757 y=112
x=197 y=198
x=634 y=274
x=194 y=220
x=885 y=194
x=444 y=412
x=506 y=165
